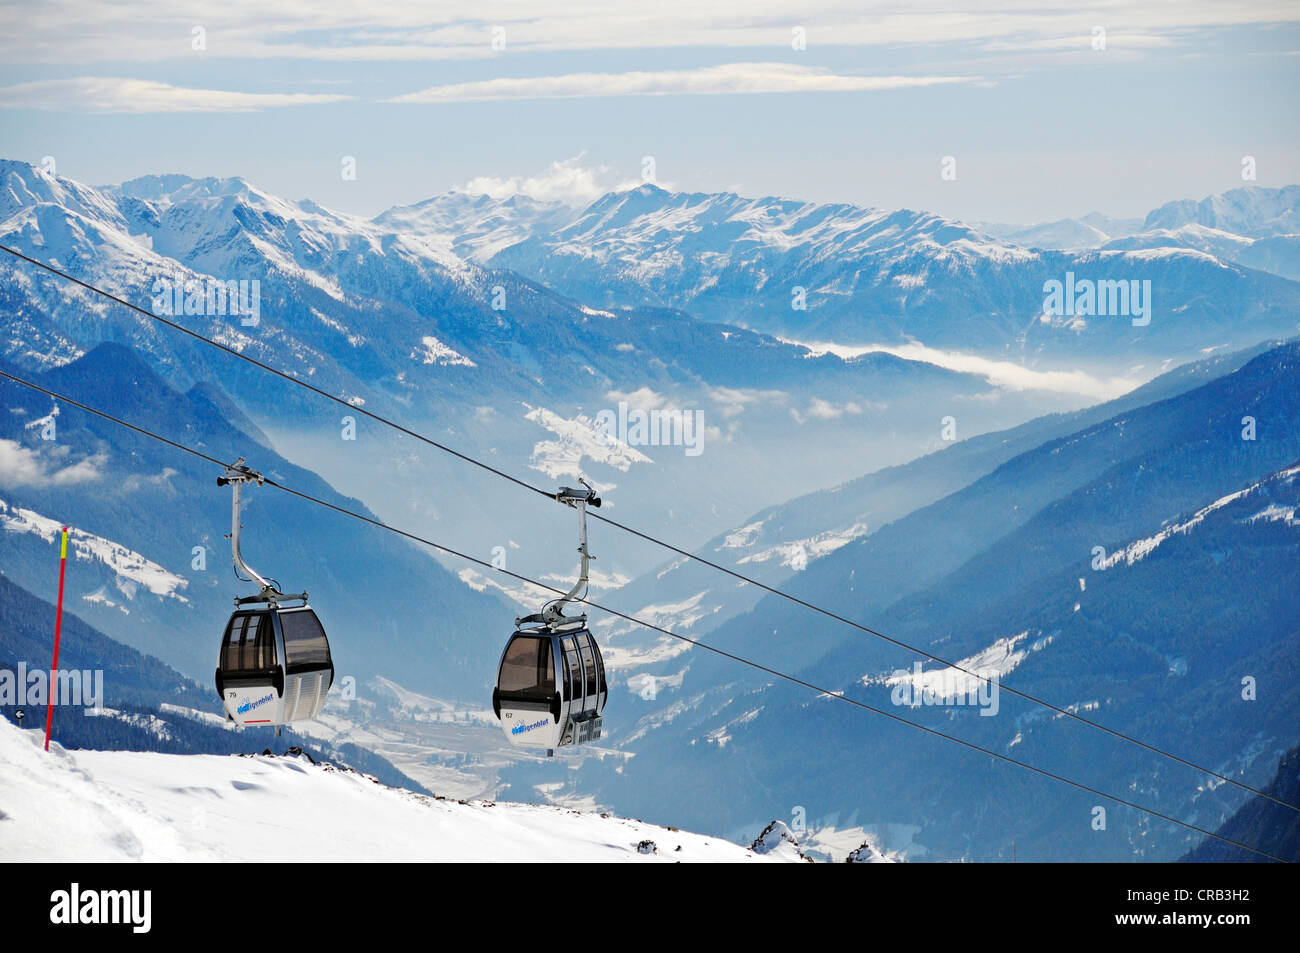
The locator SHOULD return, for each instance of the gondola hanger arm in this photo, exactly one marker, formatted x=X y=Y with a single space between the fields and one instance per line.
x=236 y=475
x=578 y=499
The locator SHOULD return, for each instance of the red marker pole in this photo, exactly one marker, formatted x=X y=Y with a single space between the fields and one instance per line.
x=58 y=624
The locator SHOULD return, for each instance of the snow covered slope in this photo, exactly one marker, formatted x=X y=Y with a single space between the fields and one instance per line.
x=123 y=806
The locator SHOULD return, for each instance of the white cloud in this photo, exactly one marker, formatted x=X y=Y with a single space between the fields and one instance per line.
x=118 y=95
x=726 y=79
x=397 y=30
x=566 y=180
x=20 y=466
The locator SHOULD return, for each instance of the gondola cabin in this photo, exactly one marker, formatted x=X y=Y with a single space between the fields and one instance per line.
x=274 y=667
x=551 y=687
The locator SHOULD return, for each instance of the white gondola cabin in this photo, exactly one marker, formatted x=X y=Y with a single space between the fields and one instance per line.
x=551 y=686
x=275 y=666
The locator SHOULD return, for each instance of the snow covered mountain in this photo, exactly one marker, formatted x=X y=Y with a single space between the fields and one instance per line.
x=1255 y=227
x=479 y=226
x=1278 y=255
x=867 y=276
x=114 y=806
x=851 y=275
x=386 y=315
x=1251 y=211
x=1087 y=231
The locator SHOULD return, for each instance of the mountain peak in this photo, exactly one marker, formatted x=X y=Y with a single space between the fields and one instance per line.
x=1253 y=211
x=175 y=188
x=152 y=186
x=23 y=184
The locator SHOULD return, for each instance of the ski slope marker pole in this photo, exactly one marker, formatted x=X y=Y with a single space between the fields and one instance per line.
x=58 y=624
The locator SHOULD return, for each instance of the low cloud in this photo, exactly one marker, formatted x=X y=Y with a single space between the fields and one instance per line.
x=20 y=466
x=732 y=401
x=159 y=481
x=819 y=409
x=1004 y=375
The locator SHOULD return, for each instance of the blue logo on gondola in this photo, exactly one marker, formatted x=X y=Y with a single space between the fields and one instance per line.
x=518 y=729
x=249 y=706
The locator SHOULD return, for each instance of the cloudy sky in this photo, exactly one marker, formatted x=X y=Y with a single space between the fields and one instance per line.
x=1048 y=111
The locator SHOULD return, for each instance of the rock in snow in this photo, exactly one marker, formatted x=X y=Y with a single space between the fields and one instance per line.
x=778 y=843
x=867 y=854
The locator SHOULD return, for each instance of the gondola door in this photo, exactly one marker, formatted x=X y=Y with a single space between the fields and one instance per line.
x=529 y=699
x=249 y=676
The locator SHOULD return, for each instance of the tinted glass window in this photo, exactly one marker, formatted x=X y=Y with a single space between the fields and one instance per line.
x=304 y=639
x=248 y=657
x=600 y=666
x=249 y=645
x=259 y=643
x=528 y=668
x=575 y=666
x=230 y=659
x=589 y=662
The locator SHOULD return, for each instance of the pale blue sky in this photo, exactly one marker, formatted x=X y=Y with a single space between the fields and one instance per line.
x=1041 y=124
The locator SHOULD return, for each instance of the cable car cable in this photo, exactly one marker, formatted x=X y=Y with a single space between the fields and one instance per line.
x=776 y=673
x=378 y=418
